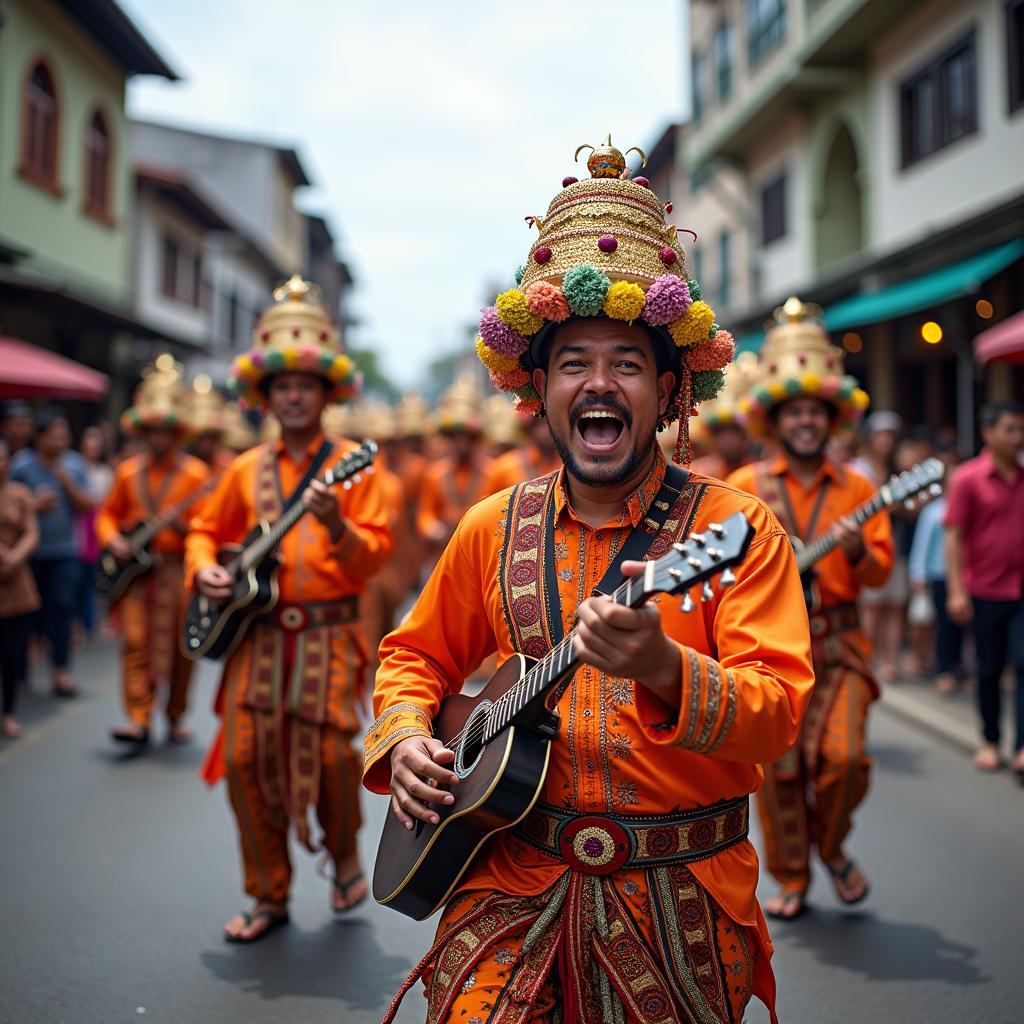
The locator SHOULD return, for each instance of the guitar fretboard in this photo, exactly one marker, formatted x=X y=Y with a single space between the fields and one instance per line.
x=820 y=547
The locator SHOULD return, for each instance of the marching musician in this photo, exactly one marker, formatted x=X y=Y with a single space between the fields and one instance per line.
x=289 y=693
x=802 y=398
x=670 y=713
x=147 y=485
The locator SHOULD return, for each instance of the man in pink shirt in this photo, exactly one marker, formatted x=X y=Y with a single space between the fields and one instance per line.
x=985 y=567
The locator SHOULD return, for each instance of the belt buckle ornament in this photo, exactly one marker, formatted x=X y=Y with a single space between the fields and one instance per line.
x=593 y=845
x=293 y=618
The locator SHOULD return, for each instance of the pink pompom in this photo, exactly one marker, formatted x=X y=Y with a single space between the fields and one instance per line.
x=500 y=336
x=607 y=244
x=668 y=255
x=714 y=354
x=667 y=300
x=256 y=357
x=508 y=380
x=528 y=406
x=830 y=388
x=542 y=255
x=547 y=301
x=570 y=180
x=642 y=182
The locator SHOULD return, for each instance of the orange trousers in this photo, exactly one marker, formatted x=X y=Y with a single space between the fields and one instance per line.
x=151 y=614
x=815 y=808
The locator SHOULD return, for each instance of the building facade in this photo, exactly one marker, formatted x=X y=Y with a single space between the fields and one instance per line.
x=864 y=154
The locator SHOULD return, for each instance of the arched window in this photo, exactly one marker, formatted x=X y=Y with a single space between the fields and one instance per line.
x=97 y=165
x=40 y=124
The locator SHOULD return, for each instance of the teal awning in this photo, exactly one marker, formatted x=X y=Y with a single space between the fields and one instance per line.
x=932 y=289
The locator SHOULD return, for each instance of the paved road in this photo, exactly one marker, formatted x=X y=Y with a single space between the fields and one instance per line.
x=115 y=877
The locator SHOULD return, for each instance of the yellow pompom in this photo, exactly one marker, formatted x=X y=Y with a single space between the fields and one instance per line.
x=245 y=367
x=693 y=326
x=291 y=358
x=811 y=383
x=624 y=301
x=495 y=360
x=515 y=313
x=776 y=389
x=340 y=368
x=860 y=398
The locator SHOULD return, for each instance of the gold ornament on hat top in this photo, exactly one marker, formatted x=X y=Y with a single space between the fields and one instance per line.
x=607 y=161
x=460 y=408
x=413 y=416
x=205 y=407
x=160 y=397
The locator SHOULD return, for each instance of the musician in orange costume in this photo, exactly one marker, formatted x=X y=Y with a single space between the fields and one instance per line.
x=728 y=439
x=290 y=691
x=145 y=486
x=536 y=457
x=809 y=795
x=457 y=481
x=664 y=725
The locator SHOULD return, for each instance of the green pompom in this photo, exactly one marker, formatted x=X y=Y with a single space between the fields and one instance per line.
x=706 y=384
x=794 y=387
x=326 y=360
x=694 y=290
x=847 y=387
x=274 y=361
x=520 y=270
x=763 y=396
x=527 y=393
x=584 y=288
x=715 y=328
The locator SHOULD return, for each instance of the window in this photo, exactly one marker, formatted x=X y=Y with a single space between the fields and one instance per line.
x=196 y=280
x=97 y=166
x=1015 y=53
x=169 y=271
x=39 y=128
x=766 y=28
x=699 y=65
x=231 y=327
x=724 y=268
x=723 y=61
x=940 y=103
x=698 y=263
x=773 y=210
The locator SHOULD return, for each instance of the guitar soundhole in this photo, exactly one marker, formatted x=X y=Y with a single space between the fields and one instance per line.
x=471 y=746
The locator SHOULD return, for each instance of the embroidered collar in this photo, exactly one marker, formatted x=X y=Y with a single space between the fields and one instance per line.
x=311 y=450
x=637 y=502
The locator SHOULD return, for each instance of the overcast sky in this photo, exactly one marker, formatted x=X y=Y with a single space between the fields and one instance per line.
x=430 y=127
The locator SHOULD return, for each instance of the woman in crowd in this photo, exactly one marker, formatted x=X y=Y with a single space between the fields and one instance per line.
x=100 y=478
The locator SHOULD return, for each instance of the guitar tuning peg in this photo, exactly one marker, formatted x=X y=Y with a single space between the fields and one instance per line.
x=347 y=485
x=727 y=579
x=681 y=548
x=714 y=554
x=717 y=530
x=694 y=563
x=698 y=539
x=686 y=605
x=706 y=593
x=357 y=479
x=909 y=504
x=935 y=490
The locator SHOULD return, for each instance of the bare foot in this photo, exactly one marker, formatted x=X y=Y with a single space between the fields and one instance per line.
x=254 y=924
x=945 y=684
x=179 y=734
x=851 y=884
x=12 y=727
x=987 y=758
x=63 y=686
x=350 y=887
x=788 y=904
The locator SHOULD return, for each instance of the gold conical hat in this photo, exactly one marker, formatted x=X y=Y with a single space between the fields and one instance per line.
x=503 y=425
x=160 y=399
x=740 y=376
x=205 y=407
x=460 y=408
x=339 y=420
x=238 y=434
x=370 y=419
x=412 y=416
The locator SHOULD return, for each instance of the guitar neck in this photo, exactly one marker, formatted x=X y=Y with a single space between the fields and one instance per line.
x=162 y=521
x=522 y=702
x=819 y=548
x=258 y=550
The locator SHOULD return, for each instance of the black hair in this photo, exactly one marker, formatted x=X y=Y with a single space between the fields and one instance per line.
x=16 y=408
x=46 y=419
x=774 y=410
x=991 y=411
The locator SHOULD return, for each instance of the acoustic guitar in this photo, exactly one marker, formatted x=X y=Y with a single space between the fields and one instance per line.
x=502 y=736
x=213 y=630
x=112 y=577
x=903 y=488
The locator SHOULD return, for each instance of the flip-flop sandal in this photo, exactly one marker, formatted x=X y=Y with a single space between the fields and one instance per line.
x=277 y=920
x=843 y=875
x=136 y=739
x=342 y=888
x=788 y=899
x=179 y=737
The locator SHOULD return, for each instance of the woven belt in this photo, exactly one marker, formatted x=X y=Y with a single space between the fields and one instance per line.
x=834 y=620
x=598 y=845
x=296 y=618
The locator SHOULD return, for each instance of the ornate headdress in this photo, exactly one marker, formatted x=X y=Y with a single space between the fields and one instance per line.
x=740 y=376
x=238 y=433
x=799 y=361
x=503 y=423
x=412 y=417
x=205 y=408
x=160 y=399
x=604 y=249
x=461 y=409
x=297 y=335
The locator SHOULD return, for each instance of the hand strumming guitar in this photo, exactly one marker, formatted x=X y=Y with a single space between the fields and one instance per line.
x=322 y=503
x=417 y=763
x=214 y=582
x=120 y=547
x=849 y=537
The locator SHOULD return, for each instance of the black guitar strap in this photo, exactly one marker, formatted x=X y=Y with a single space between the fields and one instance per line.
x=314 y=468
x=634 y=549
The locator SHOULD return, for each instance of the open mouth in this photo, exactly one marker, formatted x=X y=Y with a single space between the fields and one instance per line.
x=600 y=430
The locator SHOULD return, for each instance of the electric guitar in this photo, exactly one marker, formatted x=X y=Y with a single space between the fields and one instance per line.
x=902 y=488
x=502 y=736
x=213 y=630
x=112 y=576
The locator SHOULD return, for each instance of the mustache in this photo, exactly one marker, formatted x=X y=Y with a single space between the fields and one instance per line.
x=593 y=402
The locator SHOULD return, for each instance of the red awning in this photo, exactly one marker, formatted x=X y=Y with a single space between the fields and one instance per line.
x=28 y=371
x=1003 y=343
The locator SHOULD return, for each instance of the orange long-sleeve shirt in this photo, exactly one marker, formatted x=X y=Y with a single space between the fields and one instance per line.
x=745 y=679
x=449 y=489
x=517 y=466
x=126 y=503
x=839 y=581
x=314 y=568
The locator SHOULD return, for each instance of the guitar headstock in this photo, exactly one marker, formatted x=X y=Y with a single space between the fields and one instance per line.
x=925 y=476
x=698 y=558
x=347 y=469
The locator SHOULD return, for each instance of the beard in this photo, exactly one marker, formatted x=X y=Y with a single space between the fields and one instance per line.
x=814 y=454
x=603 y=476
